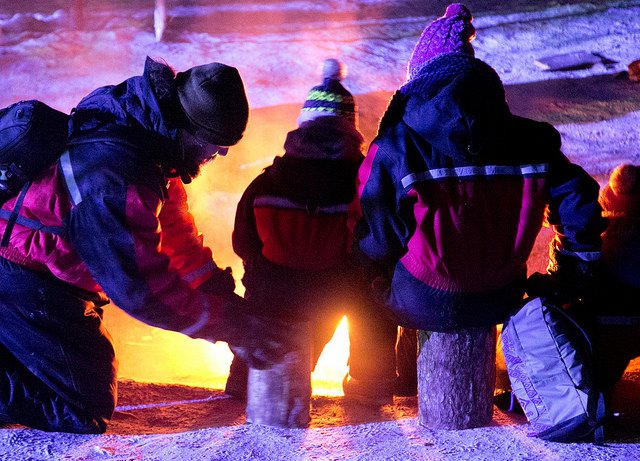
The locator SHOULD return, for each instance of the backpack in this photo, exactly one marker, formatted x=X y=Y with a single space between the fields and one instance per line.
x=32 y=137
x=549 y=361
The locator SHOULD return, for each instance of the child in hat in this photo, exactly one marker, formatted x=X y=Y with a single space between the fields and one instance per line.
x=617 y=301
x=292 y=231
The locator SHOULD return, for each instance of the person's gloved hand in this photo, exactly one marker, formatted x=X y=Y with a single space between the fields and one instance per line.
x=568 y=279
x=259 y=340
x=220 y=283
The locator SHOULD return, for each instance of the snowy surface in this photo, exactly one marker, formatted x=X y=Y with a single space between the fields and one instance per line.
x=278 y=47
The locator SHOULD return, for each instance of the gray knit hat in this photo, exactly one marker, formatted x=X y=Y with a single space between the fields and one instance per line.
x=214 y=103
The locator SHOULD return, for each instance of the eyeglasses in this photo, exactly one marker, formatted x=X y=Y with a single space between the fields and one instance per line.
x=222 y=151
x=205 y=150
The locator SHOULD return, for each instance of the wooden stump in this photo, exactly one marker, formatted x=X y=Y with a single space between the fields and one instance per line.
x=281 y=395
x=456 y=377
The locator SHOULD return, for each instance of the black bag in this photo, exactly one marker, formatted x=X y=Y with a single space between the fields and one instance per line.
x=32 y=137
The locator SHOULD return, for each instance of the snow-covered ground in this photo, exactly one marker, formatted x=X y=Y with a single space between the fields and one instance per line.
x=278 y=46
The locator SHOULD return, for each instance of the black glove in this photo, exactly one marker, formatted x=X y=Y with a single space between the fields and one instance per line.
x=569 y=279
x=540 y=285
x=257 y=339
x=220 y=283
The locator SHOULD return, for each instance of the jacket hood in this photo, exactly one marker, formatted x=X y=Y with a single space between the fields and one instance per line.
x=161 y=79
x=140 y=104
x=456 y=103
x=325 y=138
x=139 y=112
x=320 y=163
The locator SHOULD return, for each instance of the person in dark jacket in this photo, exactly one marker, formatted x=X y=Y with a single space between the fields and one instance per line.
x=454 y=188
x=110 y=221
x=293 y=233
x=616 y=301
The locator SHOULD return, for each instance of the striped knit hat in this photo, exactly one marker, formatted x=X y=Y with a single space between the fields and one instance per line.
x=330 y=98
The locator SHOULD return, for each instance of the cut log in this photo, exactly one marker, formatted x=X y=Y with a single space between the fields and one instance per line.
x=456 y=377
x=281 y=396
x=406 y=362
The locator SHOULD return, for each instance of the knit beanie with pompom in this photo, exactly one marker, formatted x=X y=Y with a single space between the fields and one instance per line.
x=451 y=33
x=330 y=98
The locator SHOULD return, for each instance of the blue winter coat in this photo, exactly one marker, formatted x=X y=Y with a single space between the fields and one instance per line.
x=106 y=218
x=454 y=191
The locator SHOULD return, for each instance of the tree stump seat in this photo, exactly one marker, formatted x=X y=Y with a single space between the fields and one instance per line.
x=456 y=377
x=281 y=395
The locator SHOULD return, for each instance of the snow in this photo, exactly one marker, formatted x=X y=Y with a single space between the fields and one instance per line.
x=278 y=47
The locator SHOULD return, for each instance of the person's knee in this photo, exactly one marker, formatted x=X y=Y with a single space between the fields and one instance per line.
x=89 y=417
x=96 y=425
x=90 y=422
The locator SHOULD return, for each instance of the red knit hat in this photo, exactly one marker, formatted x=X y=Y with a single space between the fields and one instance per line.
x=451 y=33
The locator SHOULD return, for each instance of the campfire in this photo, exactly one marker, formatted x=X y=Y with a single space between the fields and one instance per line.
x=149 y=354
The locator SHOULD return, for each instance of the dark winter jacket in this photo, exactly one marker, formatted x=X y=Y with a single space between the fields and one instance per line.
x=620 y=250
x=292 y=221
x=112 y=220
x=453 y=193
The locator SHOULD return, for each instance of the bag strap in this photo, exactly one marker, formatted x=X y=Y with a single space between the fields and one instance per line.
x=571 y=320
x=14 y=215
x=599 y=411
x=598 y=433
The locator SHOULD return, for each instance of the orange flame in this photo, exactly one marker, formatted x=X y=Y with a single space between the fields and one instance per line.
x=148 y=354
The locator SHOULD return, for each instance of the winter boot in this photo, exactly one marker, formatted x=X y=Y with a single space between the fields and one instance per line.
x=368 y=392
x=236 y=386
x=406 y=383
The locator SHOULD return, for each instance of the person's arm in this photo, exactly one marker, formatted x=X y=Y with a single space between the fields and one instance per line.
x=117 y=233
x=574 y=212
x=245 y=239
x=386 y=222
x=184 y=246
x=576 y=218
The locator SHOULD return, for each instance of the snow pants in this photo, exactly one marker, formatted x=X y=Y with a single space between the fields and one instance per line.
x=617 y=331
x=57 y=361
x=615 y=347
